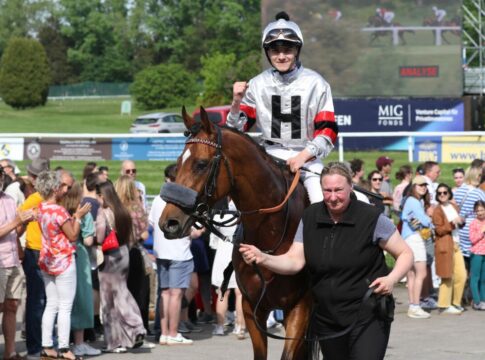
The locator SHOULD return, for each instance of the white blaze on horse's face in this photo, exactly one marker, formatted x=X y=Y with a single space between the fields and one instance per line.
x=186 y=155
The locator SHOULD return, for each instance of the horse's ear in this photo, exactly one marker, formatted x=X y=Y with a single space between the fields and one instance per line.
x=207 y=125
x=188 y=120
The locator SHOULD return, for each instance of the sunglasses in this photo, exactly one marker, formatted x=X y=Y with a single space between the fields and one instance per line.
x=376 y=179
x=130 y=171
x=442 y=192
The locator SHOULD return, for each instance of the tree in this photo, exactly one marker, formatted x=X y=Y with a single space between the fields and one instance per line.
x=24 y=74
x=164 y=85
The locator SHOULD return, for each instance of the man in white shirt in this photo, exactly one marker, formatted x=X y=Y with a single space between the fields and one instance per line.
x=174 y=269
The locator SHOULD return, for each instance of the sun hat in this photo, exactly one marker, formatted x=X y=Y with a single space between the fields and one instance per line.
x=37 y=166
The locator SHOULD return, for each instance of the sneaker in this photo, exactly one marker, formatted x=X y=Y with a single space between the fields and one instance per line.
x=178 y=340
x=193 y=328
x=116 y=350
x=138 y=341
x=450 y=310
x=84 y=349
x=183 y=329
x=480 y=306
x=163 y=340
x=241 y=335
x=459 y=307
x=418 y=313
x=218 y=330
x=429 y=303
x=205 y=318
x=147 y=345
x=236 y=329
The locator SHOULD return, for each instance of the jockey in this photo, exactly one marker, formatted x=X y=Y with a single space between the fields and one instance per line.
x=291 y=105
x=386 y=15
x=439 y=14
x=335 y=14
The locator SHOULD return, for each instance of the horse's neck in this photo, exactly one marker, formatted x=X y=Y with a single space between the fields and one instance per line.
x=259 y=182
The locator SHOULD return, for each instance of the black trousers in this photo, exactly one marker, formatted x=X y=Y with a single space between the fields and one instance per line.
x=363 y=342
x=139 y=283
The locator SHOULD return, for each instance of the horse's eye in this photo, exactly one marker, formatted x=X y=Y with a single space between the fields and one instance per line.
x=201 y=165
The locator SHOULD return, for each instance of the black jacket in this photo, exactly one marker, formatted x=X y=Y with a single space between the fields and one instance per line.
x=342 y=261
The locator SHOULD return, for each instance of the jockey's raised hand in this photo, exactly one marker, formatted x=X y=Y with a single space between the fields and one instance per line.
x=238 y=92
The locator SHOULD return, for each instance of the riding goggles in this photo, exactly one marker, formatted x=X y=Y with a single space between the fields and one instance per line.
x=281 y=35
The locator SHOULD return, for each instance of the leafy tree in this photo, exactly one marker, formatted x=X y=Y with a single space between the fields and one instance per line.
x=56 y=47
x=24 y=74
x=164 y=85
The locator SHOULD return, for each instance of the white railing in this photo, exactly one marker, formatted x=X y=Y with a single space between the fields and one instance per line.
x=409 y=134
x=396 y=29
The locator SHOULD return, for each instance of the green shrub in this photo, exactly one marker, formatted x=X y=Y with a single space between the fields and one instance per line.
x=24 y=74
x=164 y=85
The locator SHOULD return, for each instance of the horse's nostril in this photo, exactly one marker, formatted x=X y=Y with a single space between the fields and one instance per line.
x=172 y=225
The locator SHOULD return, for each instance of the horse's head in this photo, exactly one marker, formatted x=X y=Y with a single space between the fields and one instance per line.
x=202 y=178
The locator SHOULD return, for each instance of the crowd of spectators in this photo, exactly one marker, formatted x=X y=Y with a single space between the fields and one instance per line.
x=53 y=226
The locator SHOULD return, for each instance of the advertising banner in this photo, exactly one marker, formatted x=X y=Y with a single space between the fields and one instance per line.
x=12 y=148
x=67 y=149
x=450 y=149
x=386 y=115
x=148 y=149
x=379 y=48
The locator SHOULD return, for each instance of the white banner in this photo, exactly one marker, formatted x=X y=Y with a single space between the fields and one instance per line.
x=12 y=148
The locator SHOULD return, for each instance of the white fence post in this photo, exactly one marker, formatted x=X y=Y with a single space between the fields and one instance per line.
x=340 y=148
x=410 y=148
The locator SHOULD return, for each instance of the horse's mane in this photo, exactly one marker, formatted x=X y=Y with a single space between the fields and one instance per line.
x=277 y=162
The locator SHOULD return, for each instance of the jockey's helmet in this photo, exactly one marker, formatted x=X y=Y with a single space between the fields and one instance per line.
x=282 y=31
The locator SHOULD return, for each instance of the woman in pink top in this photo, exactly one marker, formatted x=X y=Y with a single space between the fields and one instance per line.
x=477 y=259
x=59 y=232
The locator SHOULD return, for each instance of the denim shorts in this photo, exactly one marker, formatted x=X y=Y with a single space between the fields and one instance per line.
x=173 y=274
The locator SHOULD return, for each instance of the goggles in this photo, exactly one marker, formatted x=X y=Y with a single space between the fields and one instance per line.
x=281 y=35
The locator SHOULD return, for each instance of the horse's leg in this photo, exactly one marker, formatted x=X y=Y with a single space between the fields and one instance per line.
x=259 y=340
x=296 y=324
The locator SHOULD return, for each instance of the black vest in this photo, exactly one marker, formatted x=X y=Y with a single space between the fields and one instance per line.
x=342 y=261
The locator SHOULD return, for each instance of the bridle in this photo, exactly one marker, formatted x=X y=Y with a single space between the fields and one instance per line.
x=197 y=207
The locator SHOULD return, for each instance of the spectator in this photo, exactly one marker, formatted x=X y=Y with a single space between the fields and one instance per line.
x=449 y=260
x=103 y=174
x=222 y=259
x=478 y=163
x=384 y=165
x=358 y=172
x=404 y=175
x=128 y=168
x=9 y=168
x=138 y=275
x=477 y=238
x=57 y=261
x=11 y=226
x=465 y=197
x=375 y=181
x=432 y=172
x=123 y=325
x=35 y=302
x=458 y=178
x=174 y=267
x=414 y=217
x=89 y=196
x=90 y=167
x=82 y=314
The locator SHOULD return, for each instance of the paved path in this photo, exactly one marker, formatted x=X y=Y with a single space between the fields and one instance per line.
x=442 y=337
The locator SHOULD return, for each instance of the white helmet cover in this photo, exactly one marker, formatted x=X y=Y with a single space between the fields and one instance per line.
x=275 y=31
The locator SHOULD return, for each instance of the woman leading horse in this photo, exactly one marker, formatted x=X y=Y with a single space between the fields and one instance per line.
x=217 y=162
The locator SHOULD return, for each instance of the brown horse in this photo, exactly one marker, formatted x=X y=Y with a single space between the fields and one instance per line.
x=221 y=161
x=377 y=21
x=456 y=21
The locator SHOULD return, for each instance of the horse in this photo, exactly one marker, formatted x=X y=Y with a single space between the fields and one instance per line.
x=377 y=21
x=456 y=21
x=221 y=161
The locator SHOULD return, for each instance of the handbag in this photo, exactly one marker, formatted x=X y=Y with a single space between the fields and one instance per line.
x=425 y=233
x=111 y=240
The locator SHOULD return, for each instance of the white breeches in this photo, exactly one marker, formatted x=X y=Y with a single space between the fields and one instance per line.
x=311 y=181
